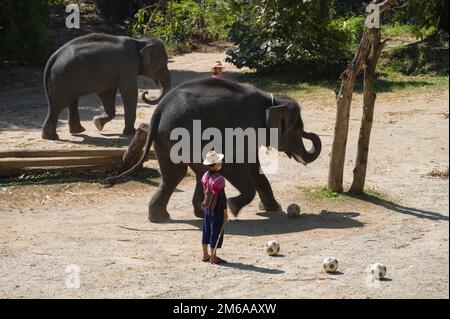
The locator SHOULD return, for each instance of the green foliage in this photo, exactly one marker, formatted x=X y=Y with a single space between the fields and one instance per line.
x=185 y=23
x=24 y=33
x=398 y=30
x=421 y=15
x=324 y=194
x=429 y=56
x=286 y=35
x=121 y=9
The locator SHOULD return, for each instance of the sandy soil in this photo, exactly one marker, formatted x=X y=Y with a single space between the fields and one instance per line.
x=105 y=232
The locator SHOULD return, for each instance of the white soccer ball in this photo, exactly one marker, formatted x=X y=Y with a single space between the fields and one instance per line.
x=272 y=248
x=293 y=210
x=330 y=264
x=378 y=270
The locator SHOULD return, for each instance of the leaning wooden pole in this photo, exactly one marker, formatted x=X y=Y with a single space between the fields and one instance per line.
x=369 y=97
x=344 y=99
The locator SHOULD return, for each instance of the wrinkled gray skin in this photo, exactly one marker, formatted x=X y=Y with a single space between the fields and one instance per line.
x=101 y=64
x=222 y=104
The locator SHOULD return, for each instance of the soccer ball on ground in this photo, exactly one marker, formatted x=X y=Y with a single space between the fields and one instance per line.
x=378 y=270
x=293 y=210
x=330 y=264
x=272 y=248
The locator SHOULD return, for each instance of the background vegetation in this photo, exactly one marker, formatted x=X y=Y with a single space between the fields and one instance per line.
x=313 y=39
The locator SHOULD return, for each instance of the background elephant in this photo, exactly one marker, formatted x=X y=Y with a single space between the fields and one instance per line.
x=223 y=104
x=101 y=63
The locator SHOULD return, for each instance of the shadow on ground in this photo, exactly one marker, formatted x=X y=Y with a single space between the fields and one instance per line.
x=420 y=213
x=278 y=223
x=249 y=267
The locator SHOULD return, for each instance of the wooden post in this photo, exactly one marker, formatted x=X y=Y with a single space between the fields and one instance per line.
x=369 y=97
x=344 y=99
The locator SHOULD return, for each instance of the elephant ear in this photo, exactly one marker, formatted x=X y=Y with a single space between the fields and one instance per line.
x=278 y=117
x=153 y=53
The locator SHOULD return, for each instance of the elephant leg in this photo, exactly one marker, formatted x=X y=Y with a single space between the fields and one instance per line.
x=171 y=176
x=268 y=201
x=129 y=96
x=240 y=177
x=51 y=121
x=75 y=126
x=197 y=199
x=108 y=99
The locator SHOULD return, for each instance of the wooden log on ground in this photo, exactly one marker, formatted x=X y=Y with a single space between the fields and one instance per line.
x=104 y=152
x=13 y=163
x=49 y=162
x=8 y=172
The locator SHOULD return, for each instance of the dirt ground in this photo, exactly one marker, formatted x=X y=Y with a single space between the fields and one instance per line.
x=46 y=229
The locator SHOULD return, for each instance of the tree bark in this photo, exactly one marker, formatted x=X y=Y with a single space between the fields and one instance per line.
x=343 y=100
x=369 y=97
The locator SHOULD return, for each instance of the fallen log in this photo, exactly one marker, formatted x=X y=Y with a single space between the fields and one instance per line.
x=13 y=163
x=105 y=152
x=8 y=172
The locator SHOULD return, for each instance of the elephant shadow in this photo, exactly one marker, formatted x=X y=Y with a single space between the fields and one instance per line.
x=278 y=223
x=105 y=140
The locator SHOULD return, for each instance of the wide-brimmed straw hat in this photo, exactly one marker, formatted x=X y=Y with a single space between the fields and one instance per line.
x=212 y=158
x=218 y=64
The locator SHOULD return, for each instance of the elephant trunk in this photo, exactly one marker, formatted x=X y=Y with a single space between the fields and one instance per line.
x=305 y=156
x=163 y=82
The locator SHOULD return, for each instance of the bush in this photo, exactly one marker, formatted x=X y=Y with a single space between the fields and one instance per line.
x=284 y=36
x=24 y=33
x=185 y=23
x=429 y=56
x=121 y=9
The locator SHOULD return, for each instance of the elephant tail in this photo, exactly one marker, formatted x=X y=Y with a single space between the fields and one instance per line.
x=152 y=132
x=47 y=71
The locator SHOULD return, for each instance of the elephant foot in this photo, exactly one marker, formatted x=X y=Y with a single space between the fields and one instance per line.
x=98 y=122
x=274 y=207
x=154 y=217
x=76 y=129
x=129 y=131
x=233 y=206
x=50 y=136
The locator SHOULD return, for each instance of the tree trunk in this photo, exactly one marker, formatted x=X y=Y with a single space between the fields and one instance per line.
x=344 y=99
x=369 y=97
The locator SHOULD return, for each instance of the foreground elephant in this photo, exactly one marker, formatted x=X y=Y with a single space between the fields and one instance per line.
x=222 y=104
x=101 y=63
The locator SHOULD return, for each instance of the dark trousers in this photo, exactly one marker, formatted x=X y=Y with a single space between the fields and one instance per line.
x=212 y=224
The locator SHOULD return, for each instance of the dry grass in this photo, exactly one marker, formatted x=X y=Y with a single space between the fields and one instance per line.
x=439 y=173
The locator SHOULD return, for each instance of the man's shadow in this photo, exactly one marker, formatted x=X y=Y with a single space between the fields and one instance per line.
x=248 y=267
